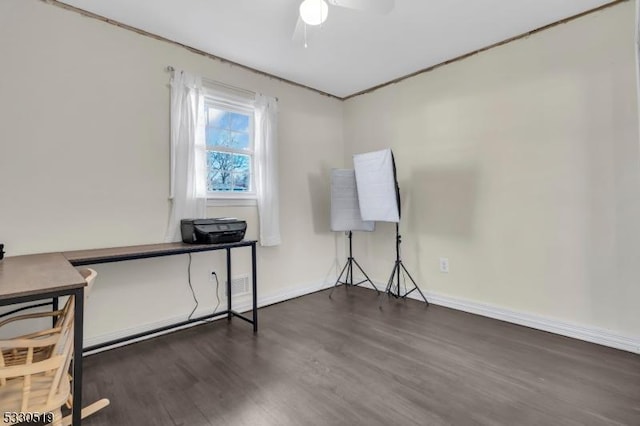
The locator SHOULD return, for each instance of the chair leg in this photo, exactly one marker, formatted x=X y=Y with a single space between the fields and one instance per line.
x=87 y=411
x=57 y=417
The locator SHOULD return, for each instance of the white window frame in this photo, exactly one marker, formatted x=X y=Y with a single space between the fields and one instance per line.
x=242 y=105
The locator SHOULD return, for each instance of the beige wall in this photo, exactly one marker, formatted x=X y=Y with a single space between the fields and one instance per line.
x=84 y=154
x=521 y=165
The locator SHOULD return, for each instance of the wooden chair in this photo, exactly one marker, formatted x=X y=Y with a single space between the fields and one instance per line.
x=15 y=355
x=89 y=276
x=43 y=352
x=42 y=385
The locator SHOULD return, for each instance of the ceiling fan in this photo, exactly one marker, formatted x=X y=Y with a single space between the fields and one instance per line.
x=313 y=13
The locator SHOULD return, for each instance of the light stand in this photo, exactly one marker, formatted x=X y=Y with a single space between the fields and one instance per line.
x=398 y=269
x=347 y=271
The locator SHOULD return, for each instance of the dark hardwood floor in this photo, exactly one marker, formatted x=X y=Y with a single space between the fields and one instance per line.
x=344 y=361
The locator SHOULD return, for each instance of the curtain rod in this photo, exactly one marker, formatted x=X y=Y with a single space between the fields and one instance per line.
x=221 y=84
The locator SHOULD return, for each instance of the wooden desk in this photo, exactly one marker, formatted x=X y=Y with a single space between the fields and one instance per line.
x=118 y=254
x=52 y=275
x=47 y=276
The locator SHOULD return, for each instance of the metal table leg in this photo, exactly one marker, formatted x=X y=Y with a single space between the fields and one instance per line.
x=255 y=287
x=77 y=355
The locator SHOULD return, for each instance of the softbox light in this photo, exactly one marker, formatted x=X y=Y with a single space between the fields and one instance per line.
x=379 y=198
x=377 y=189
x=345 y=209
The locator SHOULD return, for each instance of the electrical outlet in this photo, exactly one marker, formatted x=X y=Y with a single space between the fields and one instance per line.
x=444 y=265
x=212 y=275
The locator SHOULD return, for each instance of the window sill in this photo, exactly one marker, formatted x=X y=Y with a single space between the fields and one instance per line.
x=231 y=202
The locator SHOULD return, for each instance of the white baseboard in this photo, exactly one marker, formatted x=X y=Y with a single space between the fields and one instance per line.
x=588 y=334
x=243 y=304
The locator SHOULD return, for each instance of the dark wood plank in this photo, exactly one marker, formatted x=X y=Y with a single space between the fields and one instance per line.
x=345 y=361
x=34 y=274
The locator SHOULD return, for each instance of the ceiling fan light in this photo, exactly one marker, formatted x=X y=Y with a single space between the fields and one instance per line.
x=314 y=12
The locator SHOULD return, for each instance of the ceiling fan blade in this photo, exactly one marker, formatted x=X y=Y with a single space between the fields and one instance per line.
x=378 y=6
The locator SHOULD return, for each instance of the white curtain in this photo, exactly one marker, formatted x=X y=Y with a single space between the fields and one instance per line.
x=188 y=152
x=266 y=174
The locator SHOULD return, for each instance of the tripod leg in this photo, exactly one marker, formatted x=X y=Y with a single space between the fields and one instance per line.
x=338 y=280
x=366 y=276
x=414 y=284
x=386 y=289
x=389 y=289
x=349 y=276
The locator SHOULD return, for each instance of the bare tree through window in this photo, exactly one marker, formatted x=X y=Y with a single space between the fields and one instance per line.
x=229 y=150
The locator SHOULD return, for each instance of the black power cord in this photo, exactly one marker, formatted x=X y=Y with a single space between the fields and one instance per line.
x=193 y=293
x=217 y=295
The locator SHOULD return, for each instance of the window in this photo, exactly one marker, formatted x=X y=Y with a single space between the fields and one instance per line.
x=230 y=148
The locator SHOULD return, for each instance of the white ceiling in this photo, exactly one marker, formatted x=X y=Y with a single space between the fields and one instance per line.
x=354 y=50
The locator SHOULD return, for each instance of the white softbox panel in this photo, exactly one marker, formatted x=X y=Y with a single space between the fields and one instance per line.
x=345 y=210
x=376 y=182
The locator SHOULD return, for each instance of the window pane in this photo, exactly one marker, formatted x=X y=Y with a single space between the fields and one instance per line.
x=229 y=139
x=239 y=122
x=217 y=136
x=241 y=181
x=218 y=118
x=228 y=129
x=228 y=172
x=239 y=140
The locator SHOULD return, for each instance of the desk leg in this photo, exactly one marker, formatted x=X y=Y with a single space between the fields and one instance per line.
x=77 y=355
x=255 y=287
x=54 y=307
x=229 y=315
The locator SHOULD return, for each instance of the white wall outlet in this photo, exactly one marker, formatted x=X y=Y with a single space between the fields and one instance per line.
x=444 y=265
x=212 y=276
